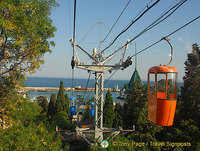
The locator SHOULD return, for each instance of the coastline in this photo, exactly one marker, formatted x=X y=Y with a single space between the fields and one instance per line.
x=45 y=89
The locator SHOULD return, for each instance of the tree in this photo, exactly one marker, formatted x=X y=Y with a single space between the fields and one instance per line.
x=42 y=101
x=190 y=92
x=60 y=102
x=108 y=114
x=67 y=106
x=135 y=112
x=118 y=115
x=25 y=29
x=25 y=132
x=188 y=119
x=136 y=99
x=52 y=105
x=62 y=120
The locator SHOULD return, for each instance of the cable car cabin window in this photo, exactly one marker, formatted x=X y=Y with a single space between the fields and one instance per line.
x=161 y=85
x=152 y=83
x=171 y=86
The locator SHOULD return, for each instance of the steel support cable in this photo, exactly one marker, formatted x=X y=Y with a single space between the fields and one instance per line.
x=88 y=32
x=87 y=85
x=111 y=76
x=166 y=36
x=69 y=18
x=74 y=27
x=116 y=21
x=105 y=80
x=139 y=13
x=99 y=36
x=159 y=41
x=91 y=92
x=111 y=32
x=92 y=29
x=156 y=22
x=133 y=21
x=74 y=31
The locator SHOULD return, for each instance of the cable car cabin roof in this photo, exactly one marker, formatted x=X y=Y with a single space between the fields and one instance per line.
x=162 y=68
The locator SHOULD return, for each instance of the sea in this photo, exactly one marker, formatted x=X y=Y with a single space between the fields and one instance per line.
x=55 y=82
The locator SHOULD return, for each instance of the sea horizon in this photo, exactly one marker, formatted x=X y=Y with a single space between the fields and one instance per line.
x=55 y=82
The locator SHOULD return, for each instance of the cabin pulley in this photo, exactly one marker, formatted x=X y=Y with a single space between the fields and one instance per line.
x=73 y=62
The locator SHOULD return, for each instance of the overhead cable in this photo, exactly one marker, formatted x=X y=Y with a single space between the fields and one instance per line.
x=93 y=28
x=74 y=32
x=74 y=27
x=116 y=21
x=88 y=32
x=167 y=36
x=160 y=40
x=86 y=87
x=133 y=21
x=155 y=23
x=104 y=82
x=159 y=20
x=110 y=76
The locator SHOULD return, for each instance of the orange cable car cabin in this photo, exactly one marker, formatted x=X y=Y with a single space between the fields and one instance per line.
x=162 y=84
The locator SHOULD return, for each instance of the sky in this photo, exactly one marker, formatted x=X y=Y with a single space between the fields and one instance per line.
x=89 y=12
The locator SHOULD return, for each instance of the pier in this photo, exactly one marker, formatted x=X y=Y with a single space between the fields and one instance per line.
x=44 y=89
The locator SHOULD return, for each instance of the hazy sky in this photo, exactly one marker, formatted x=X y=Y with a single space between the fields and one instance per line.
x=89 y=12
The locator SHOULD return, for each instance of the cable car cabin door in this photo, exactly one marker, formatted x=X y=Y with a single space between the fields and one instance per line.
x=166 y=98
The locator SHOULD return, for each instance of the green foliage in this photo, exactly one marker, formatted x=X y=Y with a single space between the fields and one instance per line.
x=108 y=114
x=28 y=129
x=86 y=114
x=191 y=91
x=187 y=120
x=118 y=116
x=135 y=112
x=62 y=120
x=60 y=102
x=52 y=105
x=67 y=106
x=79 y=145
x=31 y=137
x=25 y=111
x=42 y=101
x=25 y=29
x=136 y=100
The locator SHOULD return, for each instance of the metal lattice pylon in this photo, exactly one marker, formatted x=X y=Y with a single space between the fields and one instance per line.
x=99 y=68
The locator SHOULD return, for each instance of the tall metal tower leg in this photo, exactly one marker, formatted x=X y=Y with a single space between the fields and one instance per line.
x=102 y=100
x=98 y=108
